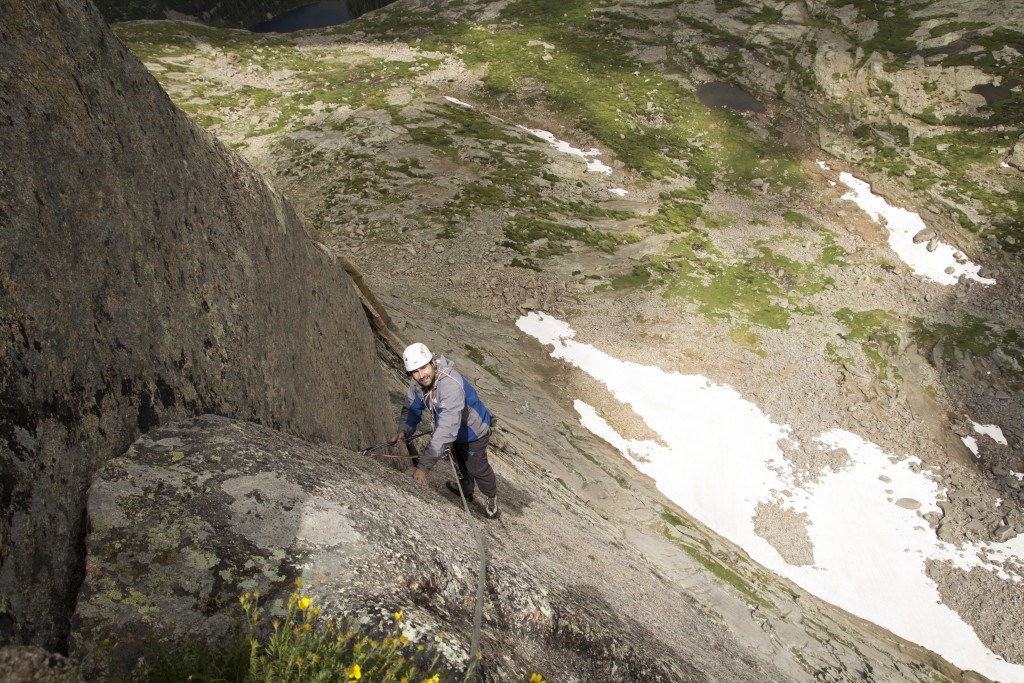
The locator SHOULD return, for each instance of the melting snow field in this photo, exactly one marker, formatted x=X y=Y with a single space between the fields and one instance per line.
x=593 y=165
x=723 y=459
x=941 y=264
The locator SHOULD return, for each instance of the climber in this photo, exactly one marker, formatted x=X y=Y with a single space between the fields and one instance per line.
x=461 y=421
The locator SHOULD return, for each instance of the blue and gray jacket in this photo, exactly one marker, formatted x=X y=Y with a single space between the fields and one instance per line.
x=459 y=414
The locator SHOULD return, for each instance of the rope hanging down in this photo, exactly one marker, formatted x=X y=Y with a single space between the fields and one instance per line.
x=474 y=648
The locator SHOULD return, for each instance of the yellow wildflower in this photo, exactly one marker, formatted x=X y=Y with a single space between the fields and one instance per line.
x=399 y=614
x=355 y=673
x=537 y=678
x=433 y=679
x=304 y=603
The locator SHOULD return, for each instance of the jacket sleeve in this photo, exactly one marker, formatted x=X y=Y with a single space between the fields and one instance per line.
x=412 y=412
x=452 y=401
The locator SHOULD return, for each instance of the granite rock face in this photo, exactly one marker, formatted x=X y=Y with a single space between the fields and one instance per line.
x=196 y=514
x=147 y=274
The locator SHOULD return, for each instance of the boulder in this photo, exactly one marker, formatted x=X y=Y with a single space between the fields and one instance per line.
x=833 y=66
x=1016 y=158
x=796 y=12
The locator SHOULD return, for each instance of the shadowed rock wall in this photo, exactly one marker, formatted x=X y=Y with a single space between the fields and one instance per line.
x=147 y=274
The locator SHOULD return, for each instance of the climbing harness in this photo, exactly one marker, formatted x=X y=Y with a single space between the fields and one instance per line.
x=474 y=648
x=377 y=447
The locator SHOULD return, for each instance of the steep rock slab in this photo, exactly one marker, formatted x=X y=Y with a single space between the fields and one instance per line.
x=198 y=513
x=147 y=274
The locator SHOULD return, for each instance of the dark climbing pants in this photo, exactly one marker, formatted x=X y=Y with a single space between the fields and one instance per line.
x=471 y=459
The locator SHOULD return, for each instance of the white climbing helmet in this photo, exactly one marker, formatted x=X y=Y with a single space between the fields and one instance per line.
x=416 y=356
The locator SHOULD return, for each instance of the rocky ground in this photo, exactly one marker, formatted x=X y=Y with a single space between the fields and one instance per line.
x=788 y=379
x=786 y=376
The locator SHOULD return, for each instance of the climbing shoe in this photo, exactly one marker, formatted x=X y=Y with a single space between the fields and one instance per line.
x=454 y=488
x=491 y=510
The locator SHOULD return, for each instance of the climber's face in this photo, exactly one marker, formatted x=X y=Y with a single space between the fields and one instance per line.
x=425 y=375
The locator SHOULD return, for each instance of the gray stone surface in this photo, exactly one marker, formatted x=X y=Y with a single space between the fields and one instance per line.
x=180 y=532
x=1016 y=158
x=147 y=274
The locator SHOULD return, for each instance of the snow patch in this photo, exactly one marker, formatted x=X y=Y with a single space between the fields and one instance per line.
x=593 y=165
x=942 y=264
x=458 y=102
x=991 y=431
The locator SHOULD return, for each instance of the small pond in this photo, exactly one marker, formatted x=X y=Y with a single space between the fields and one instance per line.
x=995 y=93
x=720 y=94
x=317 y=15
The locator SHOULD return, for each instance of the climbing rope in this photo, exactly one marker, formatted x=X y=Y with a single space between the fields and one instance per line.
x=474 y=648
x=378 y=446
